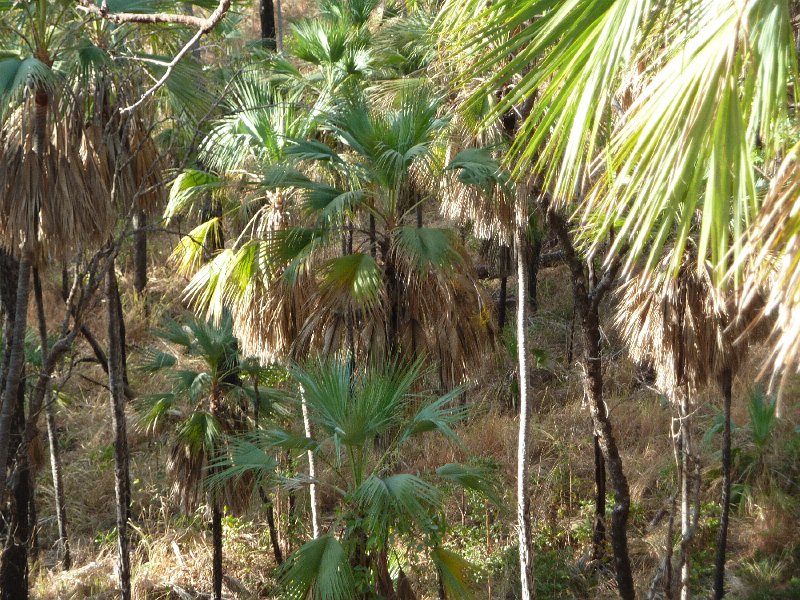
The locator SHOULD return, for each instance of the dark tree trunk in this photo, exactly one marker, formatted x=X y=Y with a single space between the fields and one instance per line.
x=726 y=381
x=139 y=253
x=14 y=561
x=116 y=385
x=533 y=275
x=216 y=533
x=273 y=533
x=501 y=303
x=599 y=528
x=16 y=361
x=587 y=303
x=266 y=11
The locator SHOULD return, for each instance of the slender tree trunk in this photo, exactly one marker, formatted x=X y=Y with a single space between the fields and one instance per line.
x=216 y=534
x=502 y=302
x=587 y=303
x=599 y=528
x=726 y=383
x=16 y=360
x=121 y=465
x=139 y=253
x=279 y=26
x=312 y=467
x=266 y=11
x=523 y=502
x=55 y=455
x=14 y=561
x=686 y=493
x=273 y=532
x=605 y=438
x=533 y=275
x=58 y=484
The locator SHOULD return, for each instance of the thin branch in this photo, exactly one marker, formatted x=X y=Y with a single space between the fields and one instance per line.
x=203 y=26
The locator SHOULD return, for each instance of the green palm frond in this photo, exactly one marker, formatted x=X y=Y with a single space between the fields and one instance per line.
x=154 y=361
x=193 y=248
x=457 y=573
x=353 y=12
x=476 y=166
x=155 y=411
x=440 y=416
x=200 y=434
x=398 y=499
x=189 y=188
x=242 y=459
x=319 y=570
x=426 y=248
x=479 y=479
x=356 y=275
x=17 y=73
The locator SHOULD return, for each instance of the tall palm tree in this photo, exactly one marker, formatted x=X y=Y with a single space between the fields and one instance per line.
x=287 y=290
x=207 y=401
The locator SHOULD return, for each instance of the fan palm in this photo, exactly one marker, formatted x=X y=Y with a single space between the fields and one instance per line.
x=206 y=402
x=290 y=292
x=379 y=508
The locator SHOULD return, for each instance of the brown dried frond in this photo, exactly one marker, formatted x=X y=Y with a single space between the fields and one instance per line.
x=189 y=468
x=683 y=326
x=55 y=202
x=268 y=319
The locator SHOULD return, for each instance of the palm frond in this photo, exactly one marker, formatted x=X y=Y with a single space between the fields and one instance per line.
x=457 y=574
x=319 y=570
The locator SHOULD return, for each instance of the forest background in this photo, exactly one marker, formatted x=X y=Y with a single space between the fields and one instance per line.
x=365 y=299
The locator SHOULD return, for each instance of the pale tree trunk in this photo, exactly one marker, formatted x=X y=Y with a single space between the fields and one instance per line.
x=690 y=491
x=116 y=385
x=523 y=503
x=312 y=467
x=52 y=434
x=726 y=381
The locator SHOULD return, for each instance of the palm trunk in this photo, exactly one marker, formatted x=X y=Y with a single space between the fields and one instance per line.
x=116 y=385
x=16 y=360
x=216 y=534
x=14 y=560
x=533 y=275
x=501 y=303
x=139 y=253
x=523 y=503
x=312 y=468
x=722 y=537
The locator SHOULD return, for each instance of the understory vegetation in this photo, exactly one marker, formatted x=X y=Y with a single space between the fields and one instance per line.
x=355 y=299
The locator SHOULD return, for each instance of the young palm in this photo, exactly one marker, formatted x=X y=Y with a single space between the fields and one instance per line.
x=379 y=509
x=207 y=401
